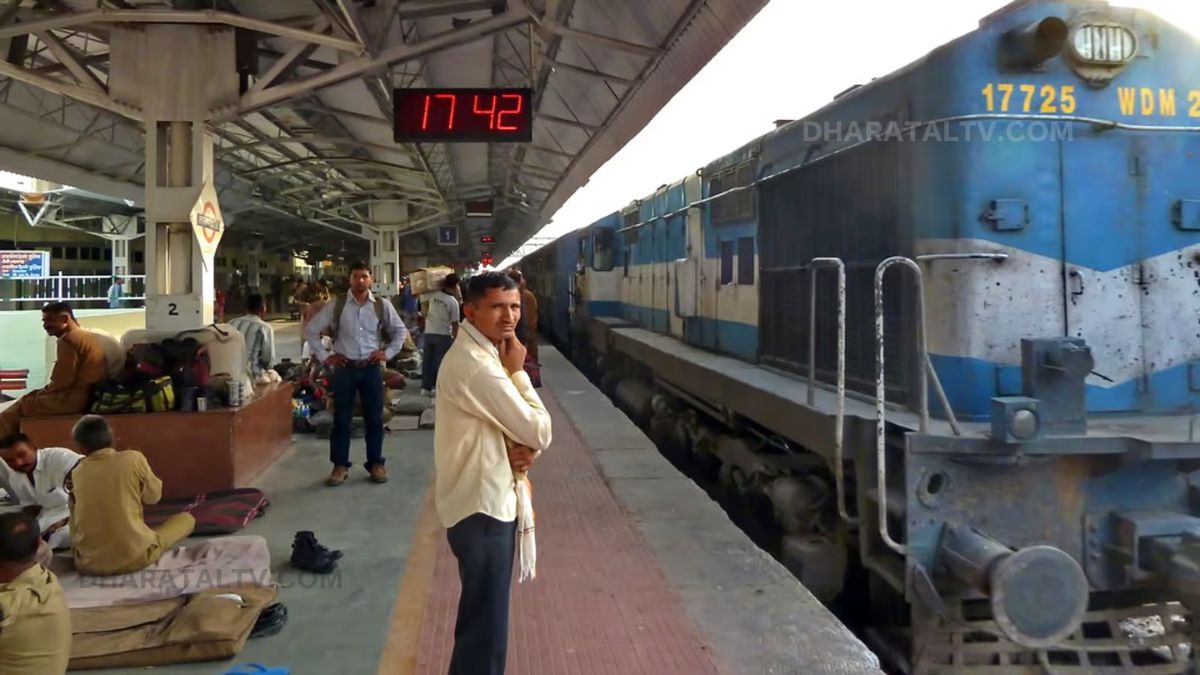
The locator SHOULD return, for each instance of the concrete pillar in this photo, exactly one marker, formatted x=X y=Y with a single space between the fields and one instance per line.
x=254 y=257
x=177 y=74
x=121 y=231
x=385 y=247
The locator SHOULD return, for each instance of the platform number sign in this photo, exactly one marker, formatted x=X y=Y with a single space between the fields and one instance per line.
x=447 y=235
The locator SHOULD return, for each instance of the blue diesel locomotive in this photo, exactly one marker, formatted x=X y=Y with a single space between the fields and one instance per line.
x=945 y=334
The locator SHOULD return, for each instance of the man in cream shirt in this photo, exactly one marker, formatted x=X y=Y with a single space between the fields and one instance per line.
x=489 y=426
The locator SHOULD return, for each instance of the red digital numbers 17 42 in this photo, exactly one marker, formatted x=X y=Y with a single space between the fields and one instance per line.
x=479 y=115
x=494 y=107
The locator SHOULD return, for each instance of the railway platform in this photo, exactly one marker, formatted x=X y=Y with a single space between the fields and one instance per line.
x=638 y=570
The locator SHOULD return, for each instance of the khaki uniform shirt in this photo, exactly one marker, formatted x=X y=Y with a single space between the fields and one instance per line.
x=480 y=410
x=35 y=626
x=108 y=528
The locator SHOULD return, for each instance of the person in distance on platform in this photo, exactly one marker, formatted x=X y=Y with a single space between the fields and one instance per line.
x=108 y=527
x=527 y=330
x=115 y=291
x=35 y=626
x=36 y=478
x=441 y=327
x=259 y=335
x=362 y=344
x=80 y=364
x=489 y=426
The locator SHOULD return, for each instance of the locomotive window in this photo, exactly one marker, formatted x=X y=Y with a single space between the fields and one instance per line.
x=738 y=206
x=630 y=218
x=726 y=263
x=626 y=262
x=745 y=259
x=602 y=249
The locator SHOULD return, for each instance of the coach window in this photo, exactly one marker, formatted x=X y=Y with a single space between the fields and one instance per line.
x=726 y=263
x=602 y=250
x=745 y=261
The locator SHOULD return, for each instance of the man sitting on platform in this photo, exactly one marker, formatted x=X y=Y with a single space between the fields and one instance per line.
x=259 y=335
x=36 y=478
x=35 y=626
x=80 y=365
x=108 y=528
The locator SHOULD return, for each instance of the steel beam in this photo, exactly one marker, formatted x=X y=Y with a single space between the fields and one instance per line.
x=615 y=79
x=67 y=57
x=566 y=122
x=95 y=16
x=285 y=66
x=429 y=8
x=366 y=64
x=602 y=40
x=99 y=99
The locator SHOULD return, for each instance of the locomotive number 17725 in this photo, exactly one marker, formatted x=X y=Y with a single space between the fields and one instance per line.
x=1030 y=98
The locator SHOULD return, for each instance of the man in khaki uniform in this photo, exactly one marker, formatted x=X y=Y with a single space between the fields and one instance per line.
x=80 y=365
x=35 y=626
x=108 y=528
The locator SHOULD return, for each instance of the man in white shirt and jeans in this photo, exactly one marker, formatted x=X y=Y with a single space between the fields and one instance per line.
x=441 y=327
x=490 y=424
x=367 y=334
x=36 y=478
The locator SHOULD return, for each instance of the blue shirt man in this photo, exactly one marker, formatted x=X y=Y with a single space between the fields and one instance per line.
x=361 y=347
x=259 y=335
x=115 y=293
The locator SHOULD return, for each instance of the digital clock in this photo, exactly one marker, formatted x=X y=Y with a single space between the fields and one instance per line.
x=463 y=115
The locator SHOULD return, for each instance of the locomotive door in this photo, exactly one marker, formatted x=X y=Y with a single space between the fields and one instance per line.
x=659 y=281
x=1103 y=185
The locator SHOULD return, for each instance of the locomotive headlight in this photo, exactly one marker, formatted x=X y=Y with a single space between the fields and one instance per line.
x=1103 y=44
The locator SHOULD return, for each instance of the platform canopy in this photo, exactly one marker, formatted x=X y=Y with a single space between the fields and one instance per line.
x=306 y=156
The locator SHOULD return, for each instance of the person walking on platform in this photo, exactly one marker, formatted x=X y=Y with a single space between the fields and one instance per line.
x=441 y=327
x=115 y=291
x=367 y=333
x=489 y=426
x=80 y=363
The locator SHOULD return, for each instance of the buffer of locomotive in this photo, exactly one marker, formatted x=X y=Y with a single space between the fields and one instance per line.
x=1036 y=462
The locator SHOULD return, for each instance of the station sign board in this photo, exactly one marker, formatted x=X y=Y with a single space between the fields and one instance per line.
x=24 y=264
x=447 y=235
x=207 y=224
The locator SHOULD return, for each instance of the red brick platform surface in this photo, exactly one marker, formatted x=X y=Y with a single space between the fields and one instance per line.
x=600 y=603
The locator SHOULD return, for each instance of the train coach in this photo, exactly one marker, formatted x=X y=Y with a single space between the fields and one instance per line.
x=944 y=334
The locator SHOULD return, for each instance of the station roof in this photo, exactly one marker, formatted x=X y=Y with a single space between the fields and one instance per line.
x=309 y=148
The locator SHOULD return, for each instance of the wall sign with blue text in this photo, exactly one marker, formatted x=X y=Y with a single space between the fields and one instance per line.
x=24 y=264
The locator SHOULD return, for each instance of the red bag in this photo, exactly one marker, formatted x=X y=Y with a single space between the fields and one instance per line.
x=534 y=371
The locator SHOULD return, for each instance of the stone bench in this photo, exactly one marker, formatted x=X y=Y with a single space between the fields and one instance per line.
x=195 y=451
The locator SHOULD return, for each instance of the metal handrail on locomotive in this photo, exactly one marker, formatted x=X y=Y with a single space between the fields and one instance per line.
x=1040 y=174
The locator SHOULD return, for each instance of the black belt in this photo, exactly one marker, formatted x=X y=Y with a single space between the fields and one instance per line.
x=361 y=363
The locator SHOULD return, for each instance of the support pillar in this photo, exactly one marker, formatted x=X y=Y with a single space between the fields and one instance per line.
x=177 y=74
x=254 y=258
x=385 y=246
x=121 y=230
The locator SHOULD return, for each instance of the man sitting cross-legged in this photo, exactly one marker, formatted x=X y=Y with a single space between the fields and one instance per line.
x=108 y=528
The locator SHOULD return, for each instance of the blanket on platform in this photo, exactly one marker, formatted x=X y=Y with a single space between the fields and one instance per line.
x=187 y=570
x=219 y=512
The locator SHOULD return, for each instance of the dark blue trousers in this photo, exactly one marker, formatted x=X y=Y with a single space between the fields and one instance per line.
x=367 y=383
x=485 y=548
x=436 y=347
